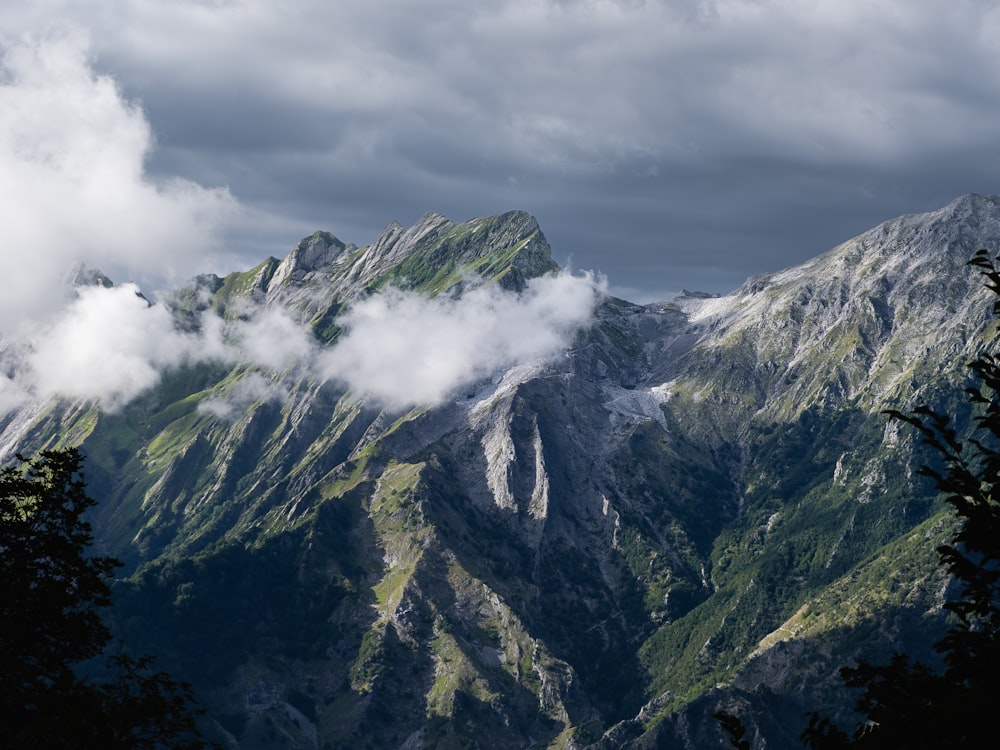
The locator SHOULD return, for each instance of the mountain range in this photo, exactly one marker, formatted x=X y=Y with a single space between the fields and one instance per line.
x=686 y=506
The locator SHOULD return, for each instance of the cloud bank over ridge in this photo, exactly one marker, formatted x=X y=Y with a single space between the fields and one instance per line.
x=398 y=349
x=403 y=349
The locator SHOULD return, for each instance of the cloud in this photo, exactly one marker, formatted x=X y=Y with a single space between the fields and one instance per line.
x=109 y=345
x=688 y=143
x=234 y=402
x=579 y=86
x=271 y=339
x=73 y=184
x=399 y=349
x=402 y=349
x=685 y=143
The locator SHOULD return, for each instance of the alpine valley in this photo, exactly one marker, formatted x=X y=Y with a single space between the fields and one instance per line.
x=697 y=505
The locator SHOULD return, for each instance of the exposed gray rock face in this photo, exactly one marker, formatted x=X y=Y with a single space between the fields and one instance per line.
x=82 y=276
x=693 y=507
x=396 y=244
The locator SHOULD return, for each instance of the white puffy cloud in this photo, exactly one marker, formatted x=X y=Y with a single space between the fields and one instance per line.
x=399 y=348
x=73 y=185
x=403 y=349
x=109 y=345
x=270 y=338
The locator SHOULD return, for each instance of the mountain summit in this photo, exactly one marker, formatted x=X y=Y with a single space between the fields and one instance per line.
x=695 y=504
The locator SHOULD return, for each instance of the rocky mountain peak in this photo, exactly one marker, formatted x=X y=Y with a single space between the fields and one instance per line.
x=437 y=255
x=535 y=257
x=317 y=252
x=81 y=275
x=396 y=243
x=886 y=296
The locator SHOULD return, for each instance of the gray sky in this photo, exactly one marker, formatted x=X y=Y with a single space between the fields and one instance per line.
x=675 y=144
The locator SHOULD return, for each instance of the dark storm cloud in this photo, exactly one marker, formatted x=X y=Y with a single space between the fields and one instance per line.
x=667 y=144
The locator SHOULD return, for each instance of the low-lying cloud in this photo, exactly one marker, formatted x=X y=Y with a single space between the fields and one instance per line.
x=398 y=349
x=404 y=349
x=109 y=345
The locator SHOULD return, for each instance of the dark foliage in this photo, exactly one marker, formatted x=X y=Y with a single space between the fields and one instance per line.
x=734 y=728
x=51 y=596
x=906 y=703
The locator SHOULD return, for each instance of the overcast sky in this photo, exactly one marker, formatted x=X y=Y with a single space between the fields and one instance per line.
x=671 y=144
